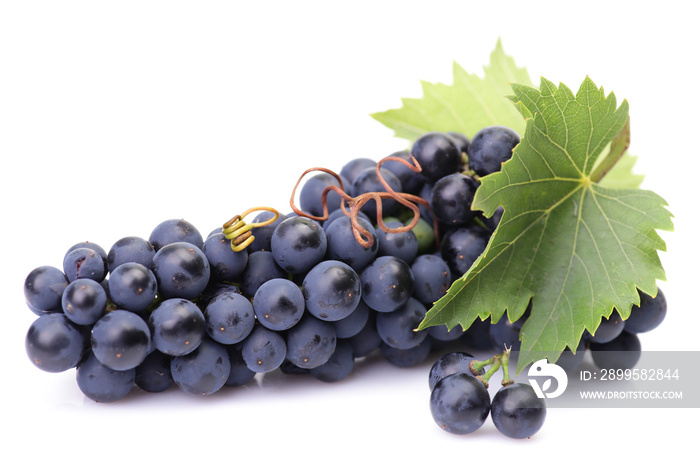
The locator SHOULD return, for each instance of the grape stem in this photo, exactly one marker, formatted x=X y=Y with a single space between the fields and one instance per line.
x=498 y=361
x=618 y=147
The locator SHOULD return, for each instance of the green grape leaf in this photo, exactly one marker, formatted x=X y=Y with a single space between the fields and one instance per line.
x=468 y=105
x=574 y=246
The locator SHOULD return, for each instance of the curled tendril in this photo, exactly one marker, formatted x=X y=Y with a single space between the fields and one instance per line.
x=355 y=204
x=239 y=232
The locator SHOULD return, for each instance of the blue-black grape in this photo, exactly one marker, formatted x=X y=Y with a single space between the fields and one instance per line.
x=263 y=350
x=230 y=317
x=352 y=324
x=298 y=244
x=225 y=263
x=367 y=181
x=460 y=403
x=517 y=411
x=451 y=199
x=102 y=384
x=263 y=234
x=411 y=181
x=182 y=270
x=350 y=170
x=43 y=289
x=240 y=374
x=338 y=367
x=431 y=278
x=456 y=362
x=84 y=301
x=437 y=154
x=398 y=328
x=153 y=374
x=121 y=340
x=462 y=246
x=461 y=141
x=506 y=334
x=648 y=315
x=343 y=246
x=177 y=326
x=403 y=245
x=278 y=304
x=407 y=357
x=490 y=148
x=132 y=286
x=440 y=333
x=311 y=194
x=387 y=283
x=311 y=342
x=331 y=290
x=623 y=352
x=130 y=249
x=175 y=231
x=336 y=214
x=609 y=328
x=203 y=371
x=261 y=267
x=54 y=343
x=84 y=263
x=366 y=340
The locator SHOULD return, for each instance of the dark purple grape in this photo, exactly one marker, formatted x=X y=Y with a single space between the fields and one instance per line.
x=355 y=166
x=451 y=363
x=609 y=328
x=132 y=286
x=451 y=199
x=226 y=264
x=490 y=148
x=130 y=249
x=121 y=340
x=298 y=244
x=311 y=194
x=648 y=315
x=387 y=283
x=437 y=155
x=177 y=326
x=517 y=411
x=54 y=343
x=175 y=231
x=460 y=403
x=43 y=289
x=367 y=181
x=411 y=181
x=182 y=270
x=84 y=301
x=84 y=263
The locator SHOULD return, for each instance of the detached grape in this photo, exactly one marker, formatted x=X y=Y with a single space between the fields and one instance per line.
x=517 y=411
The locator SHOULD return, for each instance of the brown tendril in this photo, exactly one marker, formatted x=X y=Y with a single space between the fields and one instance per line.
x=355 y=204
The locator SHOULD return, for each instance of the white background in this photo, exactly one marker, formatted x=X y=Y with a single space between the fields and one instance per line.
x=115 y=116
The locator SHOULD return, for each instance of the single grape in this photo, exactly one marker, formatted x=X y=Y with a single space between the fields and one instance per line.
x=102 y=384
x=343 y=246
x=490 y=148
x=132 y=286
x=517 y=411
x=350 y=170
x=431 y=278
x=175 y=231
x=261 y=267
x=506 y=334
x=387 y=283
x=460 y=403
x=336 y=214
x=437 y=155
x=84 y=263
x=99 y=250
x=263 y=350
x=456 y=362
x=130 y=249
x=278 y=304
x=182 y=270
x=230 y=317
x=352 y=324
x=440 y=333
x=43 y=289
x=367 y=181
x=177 y=326
x=84 y=301
x=462 y=246
x=203 y=371
x=263 y=234
x=240 y=374
x=311 y=194
x=411 y=181
x=648 y=315
x=461 y=141
x=338 y=367
x=298 y=244
x=451 y=199
x=570 y=361
x=311 y=342
x=409 y=357
x=331 y=290
x=54 y=343
x=225 y=263
x=366 y=340
x=121 y=340
x=609 y=328
x=623 y=352
x=403 y=245
x=153 y=374
x=398 y=328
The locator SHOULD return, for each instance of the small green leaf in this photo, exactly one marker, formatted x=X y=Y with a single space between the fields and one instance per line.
x=468 y=105
x=575 y=247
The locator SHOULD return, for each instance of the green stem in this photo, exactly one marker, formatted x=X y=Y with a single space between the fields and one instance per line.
x=504 y=365
x=618 y=147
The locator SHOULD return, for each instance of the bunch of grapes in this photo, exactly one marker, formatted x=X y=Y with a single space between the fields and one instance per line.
x=305 y=297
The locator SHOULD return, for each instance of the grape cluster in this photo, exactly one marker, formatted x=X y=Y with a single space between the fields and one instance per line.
x=460 y=401
x=305 y=297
